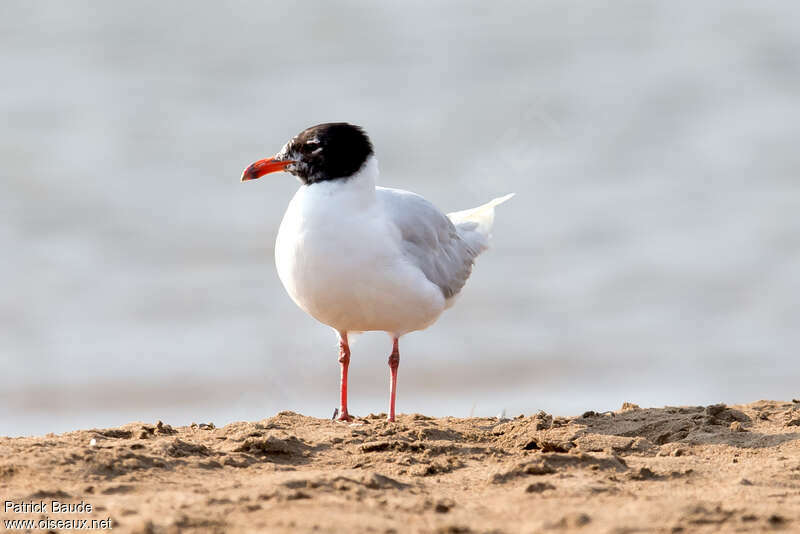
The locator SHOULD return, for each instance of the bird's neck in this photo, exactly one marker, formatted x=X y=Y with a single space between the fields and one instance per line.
x=366 y=177
x=360 y=185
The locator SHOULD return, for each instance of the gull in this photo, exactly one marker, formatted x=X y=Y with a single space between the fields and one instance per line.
x=359 y=257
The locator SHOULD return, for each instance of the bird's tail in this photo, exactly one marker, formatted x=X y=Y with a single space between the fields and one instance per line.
x=475 y=225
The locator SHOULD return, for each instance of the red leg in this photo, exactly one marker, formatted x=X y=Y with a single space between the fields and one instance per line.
x=344 y=359
x=394 y=363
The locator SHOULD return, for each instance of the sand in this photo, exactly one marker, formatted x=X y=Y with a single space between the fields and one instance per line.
x=675 y=469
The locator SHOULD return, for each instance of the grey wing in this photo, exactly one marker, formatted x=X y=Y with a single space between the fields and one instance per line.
x=430 y=240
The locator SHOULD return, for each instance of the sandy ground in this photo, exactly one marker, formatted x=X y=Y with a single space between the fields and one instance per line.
x=675 y=469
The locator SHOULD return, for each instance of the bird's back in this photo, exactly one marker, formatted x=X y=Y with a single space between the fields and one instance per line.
x=443 y=247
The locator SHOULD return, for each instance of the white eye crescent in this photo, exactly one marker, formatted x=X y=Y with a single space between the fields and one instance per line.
x=312 y=143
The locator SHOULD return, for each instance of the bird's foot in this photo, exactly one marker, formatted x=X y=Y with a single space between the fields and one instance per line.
x=344 y=416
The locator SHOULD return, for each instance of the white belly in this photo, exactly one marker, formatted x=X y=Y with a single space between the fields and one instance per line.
x=340 y=261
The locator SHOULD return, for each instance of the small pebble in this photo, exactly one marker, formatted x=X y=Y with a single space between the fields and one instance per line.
x=775 y=519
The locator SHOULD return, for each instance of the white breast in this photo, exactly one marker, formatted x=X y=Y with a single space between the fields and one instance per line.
x=339 y=259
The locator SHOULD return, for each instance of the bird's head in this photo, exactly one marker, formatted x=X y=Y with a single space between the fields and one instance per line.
x=323 y=152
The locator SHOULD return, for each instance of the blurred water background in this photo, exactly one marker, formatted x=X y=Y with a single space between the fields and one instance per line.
x=652 y=253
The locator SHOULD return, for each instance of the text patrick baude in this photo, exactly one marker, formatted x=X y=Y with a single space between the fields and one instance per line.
x=43 y=507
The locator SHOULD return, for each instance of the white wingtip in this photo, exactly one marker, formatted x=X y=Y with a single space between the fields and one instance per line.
x=479 y=219
x=500 y=200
